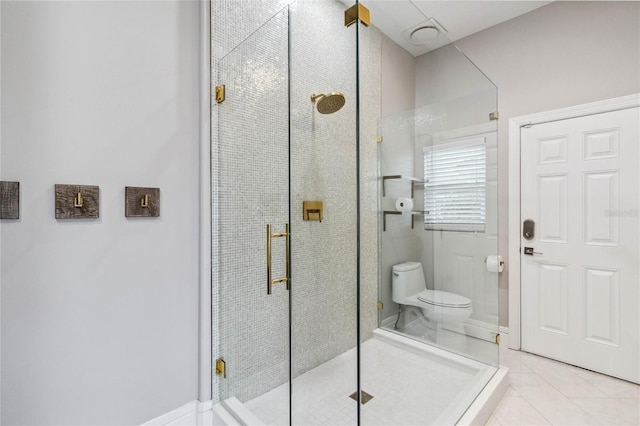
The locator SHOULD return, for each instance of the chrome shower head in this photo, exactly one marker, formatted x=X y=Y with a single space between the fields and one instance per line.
x=328 y=104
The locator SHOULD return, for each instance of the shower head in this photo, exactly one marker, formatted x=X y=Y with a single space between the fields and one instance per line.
x=328 y=104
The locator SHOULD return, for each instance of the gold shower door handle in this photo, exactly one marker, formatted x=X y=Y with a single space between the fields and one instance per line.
x=286 y=279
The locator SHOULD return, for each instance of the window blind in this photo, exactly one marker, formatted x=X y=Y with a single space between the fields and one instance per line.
x=455 y=186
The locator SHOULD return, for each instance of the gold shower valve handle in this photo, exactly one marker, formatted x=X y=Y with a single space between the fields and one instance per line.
x=144 y=201
x=316 y=213
x=312 y=210
x=286 y=279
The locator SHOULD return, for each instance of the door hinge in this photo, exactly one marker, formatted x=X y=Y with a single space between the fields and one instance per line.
x=357 y=12
x=220 y=94
x=494 y=115
x=496 y=338
x=379 y=139
x=221 y=368
x=380 y=305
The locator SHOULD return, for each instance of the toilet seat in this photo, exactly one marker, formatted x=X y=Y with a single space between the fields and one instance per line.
x=444 y=299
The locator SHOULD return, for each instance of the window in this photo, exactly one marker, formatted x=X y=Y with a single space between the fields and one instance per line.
x=455 y=177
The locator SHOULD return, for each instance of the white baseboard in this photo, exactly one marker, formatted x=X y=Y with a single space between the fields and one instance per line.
x=504 y=336
x=471 y=327
x=195 y=413
x=192 y=413
x=480 y=330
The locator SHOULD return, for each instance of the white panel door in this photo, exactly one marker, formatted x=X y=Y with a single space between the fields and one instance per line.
x=581 y=284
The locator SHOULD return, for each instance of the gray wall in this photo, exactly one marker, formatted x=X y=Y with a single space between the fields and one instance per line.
x=562 y=54
x=99 y=317
x=398 y=75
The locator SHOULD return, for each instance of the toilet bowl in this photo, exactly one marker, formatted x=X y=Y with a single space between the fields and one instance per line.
x=409 y=289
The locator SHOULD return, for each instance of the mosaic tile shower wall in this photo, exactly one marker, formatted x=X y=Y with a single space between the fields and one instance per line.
x=250 y=328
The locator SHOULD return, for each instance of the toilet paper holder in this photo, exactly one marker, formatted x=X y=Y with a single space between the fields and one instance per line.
x=501 y=261
x=494 y=267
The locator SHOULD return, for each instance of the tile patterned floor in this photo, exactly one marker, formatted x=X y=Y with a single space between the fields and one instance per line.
x=547 y=392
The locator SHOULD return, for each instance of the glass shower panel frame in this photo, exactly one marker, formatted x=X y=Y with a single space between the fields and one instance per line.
x=462 y=100
x=452 y=105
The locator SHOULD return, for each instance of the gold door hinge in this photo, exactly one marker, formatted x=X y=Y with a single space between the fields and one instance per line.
x=494 y=115
x=496 y=337
x=221 y=368
x=220 y=94
x=380 y=305
x=379 y=139
x=355 y=13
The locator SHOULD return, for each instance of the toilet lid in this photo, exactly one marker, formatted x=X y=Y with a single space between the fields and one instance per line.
x=444 y=299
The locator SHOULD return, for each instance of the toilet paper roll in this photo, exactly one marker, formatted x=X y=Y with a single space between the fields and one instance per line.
x=404 y=204
x=495 y=263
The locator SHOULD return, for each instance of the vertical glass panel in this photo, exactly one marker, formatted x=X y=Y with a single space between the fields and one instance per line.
x=324 y=253
x=437 y=225
x=251 y=191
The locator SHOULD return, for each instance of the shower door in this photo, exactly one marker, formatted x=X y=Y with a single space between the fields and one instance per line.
x=250 y=181
x=288 y=356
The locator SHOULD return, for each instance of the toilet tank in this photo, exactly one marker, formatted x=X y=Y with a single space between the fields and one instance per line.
x=407 y=279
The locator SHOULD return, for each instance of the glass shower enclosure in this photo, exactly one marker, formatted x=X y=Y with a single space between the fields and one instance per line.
x=301 y=260
x=285 y=191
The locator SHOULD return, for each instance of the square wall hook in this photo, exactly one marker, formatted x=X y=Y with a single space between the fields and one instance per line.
x=9 y=200
x=141 y=202
x=77 y=201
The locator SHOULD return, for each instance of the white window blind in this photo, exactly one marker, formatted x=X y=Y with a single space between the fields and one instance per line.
x=455 y=186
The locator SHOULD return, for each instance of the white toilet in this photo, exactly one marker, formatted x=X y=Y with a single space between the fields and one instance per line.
x=409 y=289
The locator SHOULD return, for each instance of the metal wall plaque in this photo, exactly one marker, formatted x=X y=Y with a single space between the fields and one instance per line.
x=141 y=202
x=9 y=200
x=77 y=202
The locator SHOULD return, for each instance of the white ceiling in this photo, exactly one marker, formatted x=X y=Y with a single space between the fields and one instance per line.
x=456 y=19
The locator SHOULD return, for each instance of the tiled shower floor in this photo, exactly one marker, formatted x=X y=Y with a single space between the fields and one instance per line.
x=407 y=389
